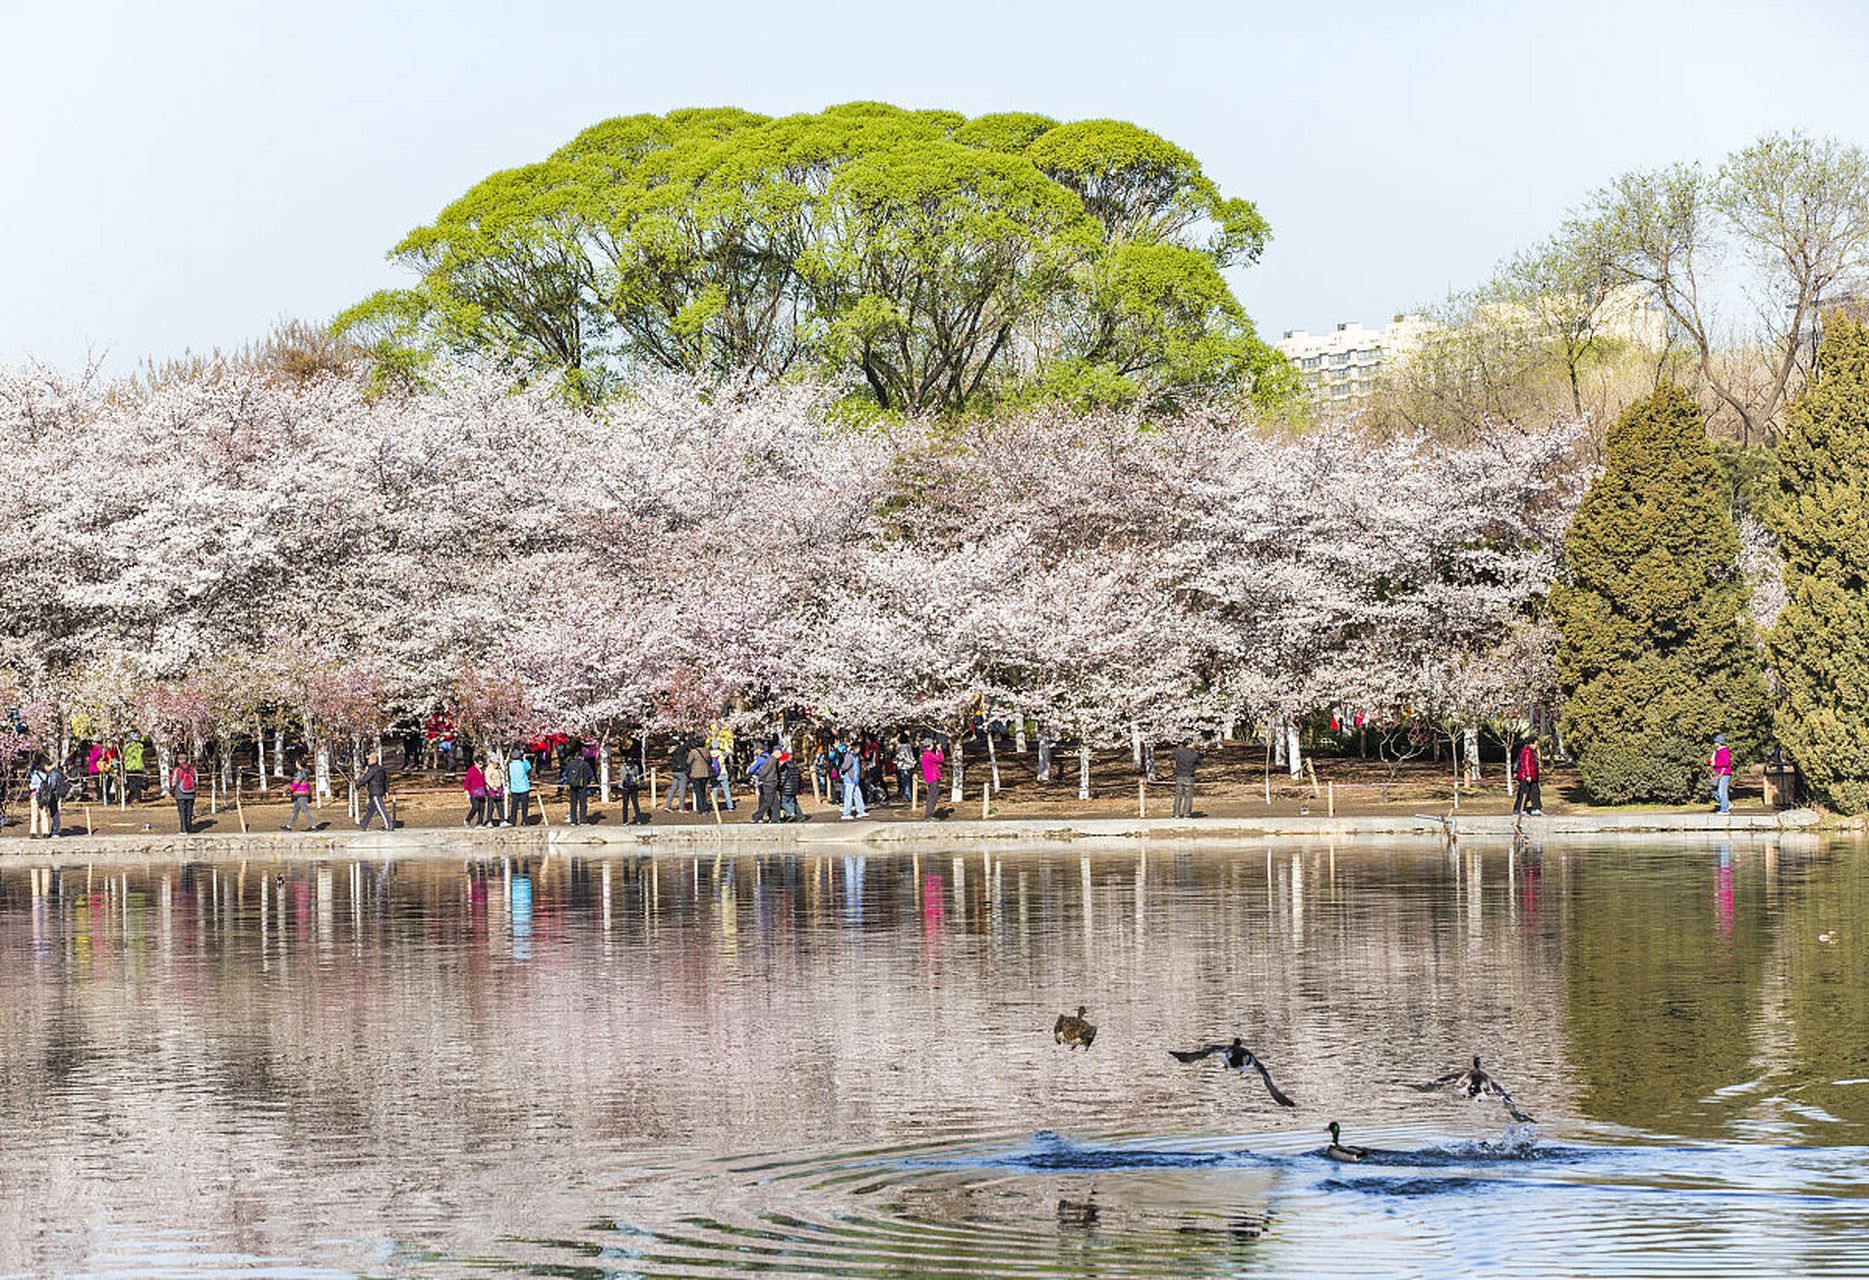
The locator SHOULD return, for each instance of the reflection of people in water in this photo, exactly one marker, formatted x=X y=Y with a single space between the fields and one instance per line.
x=521 y=905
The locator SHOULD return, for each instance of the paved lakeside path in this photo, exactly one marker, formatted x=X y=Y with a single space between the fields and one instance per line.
x=340 y=839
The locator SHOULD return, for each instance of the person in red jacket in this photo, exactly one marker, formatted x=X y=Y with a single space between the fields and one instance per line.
x=1527 y=800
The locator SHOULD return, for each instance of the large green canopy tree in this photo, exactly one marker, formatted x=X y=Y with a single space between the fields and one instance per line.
x=1655 y=654
x=925 y=261
x=1820 y=512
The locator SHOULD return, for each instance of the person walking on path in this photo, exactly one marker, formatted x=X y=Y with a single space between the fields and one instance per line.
x=766 y=779
x=1527 y=799
x=677 y=774
x=853 y=785
x=1187 y=760
x=375 y=785
x=791 y=778
x=700 y=775
x=301 y=787
x=475 y=785
x=629 y=791
x=182 y=781
x=578 y=778
x=1721 y=762
x=518 y=790
x=932 y=760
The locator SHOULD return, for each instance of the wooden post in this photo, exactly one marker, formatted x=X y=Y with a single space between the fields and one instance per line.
x=986 y=797
x=1330 y=798
x=1142 y=797
x=915 y=788
x=1456 y=795
x=392 y=813
x=87 y=819
x=652 y=780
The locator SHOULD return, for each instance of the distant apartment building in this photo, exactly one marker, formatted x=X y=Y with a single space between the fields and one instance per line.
x=1342 y=365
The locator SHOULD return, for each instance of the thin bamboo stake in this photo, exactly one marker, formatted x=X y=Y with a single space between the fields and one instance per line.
x=986 y=796
x=1142 y=797
x=87 y=819
x=1330 y=798
x=713 y=801
x=240 y=812
x=652 y=783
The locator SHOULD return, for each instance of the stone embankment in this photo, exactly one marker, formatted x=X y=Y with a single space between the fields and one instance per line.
x=905 y=836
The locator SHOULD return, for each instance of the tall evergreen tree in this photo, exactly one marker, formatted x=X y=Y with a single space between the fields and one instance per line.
x=1820 y=512
x=1655 y=655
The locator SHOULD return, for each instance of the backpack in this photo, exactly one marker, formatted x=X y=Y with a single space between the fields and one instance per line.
x=629 y=776
x=52 y=786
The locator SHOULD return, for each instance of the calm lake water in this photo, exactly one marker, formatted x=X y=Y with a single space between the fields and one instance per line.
x=843 y=1066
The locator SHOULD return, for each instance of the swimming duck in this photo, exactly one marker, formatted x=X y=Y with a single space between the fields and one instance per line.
x=1074 y=1031
x=1238 y=1058
x=1476 y=1083
x=1337 y=1151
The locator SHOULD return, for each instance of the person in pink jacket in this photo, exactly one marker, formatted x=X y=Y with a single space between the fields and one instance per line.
x=1721 y=762
x=931 y=774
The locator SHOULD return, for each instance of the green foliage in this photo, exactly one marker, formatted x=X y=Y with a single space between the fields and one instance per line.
x=930 y=262
x=1820 y=512
x=1655 y=655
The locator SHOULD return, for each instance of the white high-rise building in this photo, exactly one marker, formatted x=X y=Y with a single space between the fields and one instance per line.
x=1342 y=365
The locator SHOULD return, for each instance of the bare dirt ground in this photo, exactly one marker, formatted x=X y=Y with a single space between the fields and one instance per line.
x=1231 y=784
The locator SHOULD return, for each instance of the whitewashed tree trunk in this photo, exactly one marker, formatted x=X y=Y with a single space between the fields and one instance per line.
x=1043 y=772
x=1277 y=730
x=1472 y=749
x=1135 y=745
x=1294 y=755
x=321 y=769
x=1083 y=769
x=162 y=767
x=279 y=750
x=259 y=752
x=992 y=759
x=954 y=791
x=1018 y=732
x=603 y=771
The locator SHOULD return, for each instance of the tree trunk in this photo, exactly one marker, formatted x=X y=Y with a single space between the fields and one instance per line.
x=162 y=767
x=1083 y=768
x=1018 y=733
x=1043 y=773
x=992 y=759
x=954 y=794
x=1472 y=748
x=1135 y=745
x=603 y=770
x=1293 y=754
x=1279 y=739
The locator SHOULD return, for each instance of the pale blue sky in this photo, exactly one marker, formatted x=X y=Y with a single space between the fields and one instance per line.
x=180 y=175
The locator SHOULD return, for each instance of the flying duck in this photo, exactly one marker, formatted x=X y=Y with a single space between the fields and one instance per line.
x=1074 y=1031
x=1476 y=1083
x=1337 y=1151
x=1238 y=1058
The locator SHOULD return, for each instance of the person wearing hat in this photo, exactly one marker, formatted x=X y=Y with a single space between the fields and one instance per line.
x=1187 y=759
x=1721 y=762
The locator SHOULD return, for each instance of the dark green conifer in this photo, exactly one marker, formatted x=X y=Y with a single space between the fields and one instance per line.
x=1655 y=654
x=1820 y=512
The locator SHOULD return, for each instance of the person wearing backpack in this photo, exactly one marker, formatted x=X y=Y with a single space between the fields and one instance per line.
x=700 y=775
x=578 y=777
x=182 y=786
x=50 y=793
x=852 y=771
x=35 y=776
x=629 y=791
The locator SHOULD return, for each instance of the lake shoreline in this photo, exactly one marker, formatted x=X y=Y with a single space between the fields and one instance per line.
x=905 y=836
